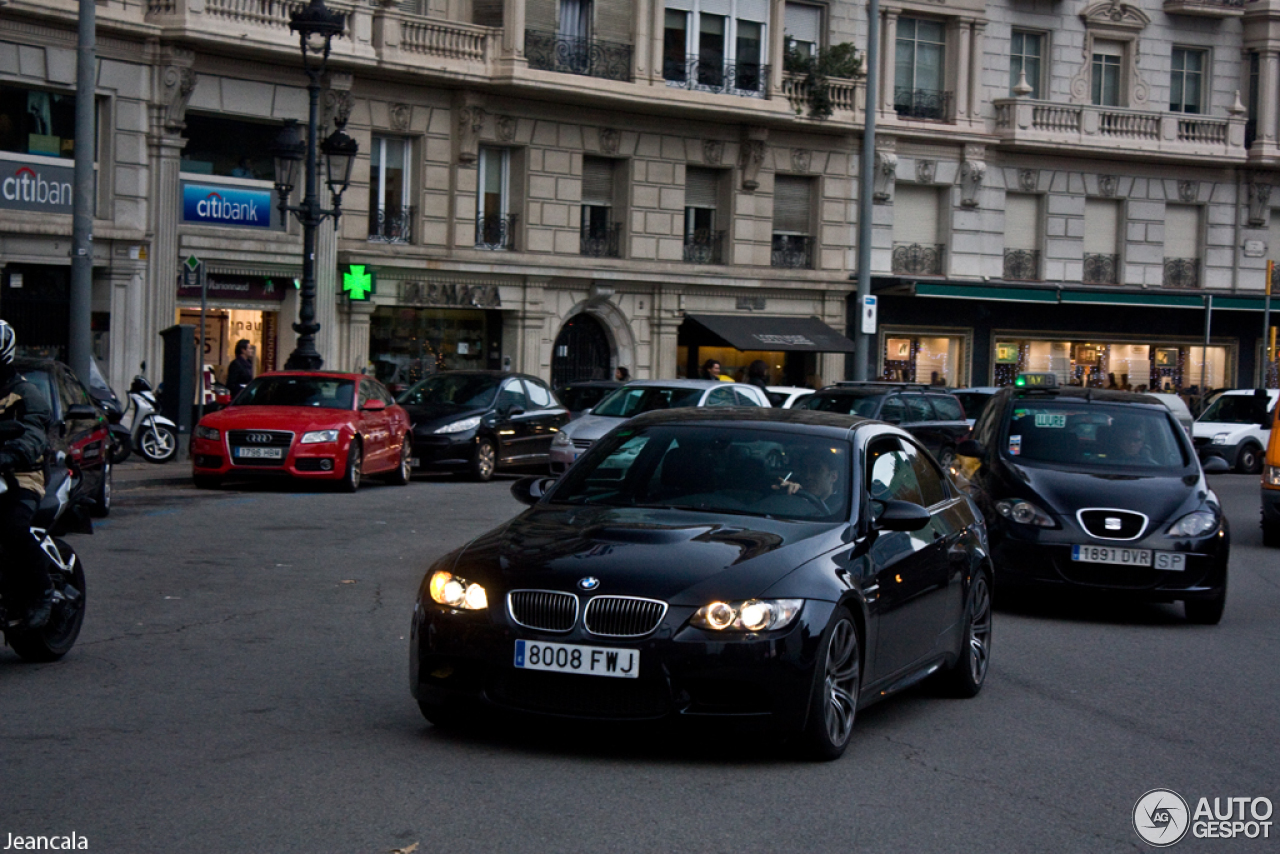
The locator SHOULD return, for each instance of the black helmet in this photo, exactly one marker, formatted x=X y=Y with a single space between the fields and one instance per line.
x=8 y=343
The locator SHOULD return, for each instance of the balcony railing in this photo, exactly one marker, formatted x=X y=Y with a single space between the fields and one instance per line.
x=1205 y=8
x=844 y=95
x=793 y=251
x=748 y=79
x=496 y=231
x=922 y=103
x=1101 y=269
x=1022 y=265
x=918 y=259
x=548 y=51
x=1182 y=272
x=391 y=225
x=704 y=246
x=602 y=243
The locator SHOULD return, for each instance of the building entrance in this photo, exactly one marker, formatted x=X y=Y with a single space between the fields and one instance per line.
x=582 y=352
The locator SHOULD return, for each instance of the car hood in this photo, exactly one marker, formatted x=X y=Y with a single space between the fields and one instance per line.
x=680 y=557
x=1209 y=429
x=589 y=428
x=428 y=415
x=296 y=418
x=1159 y=496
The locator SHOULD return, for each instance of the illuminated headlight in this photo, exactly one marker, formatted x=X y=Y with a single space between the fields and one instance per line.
x=1222 y=438
x=460 y=426
x=562 y=440
x=751 y=615
x=448 y=589
x=1194 y=524
x=317 y=436
x=1025 y=513
x=203 y=432
x=1271 y=475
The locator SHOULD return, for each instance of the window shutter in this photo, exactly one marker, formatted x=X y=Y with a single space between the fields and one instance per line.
x=597 y=181
x=1101 y=221
x=791 y=204
x=803 y=23
x=750 y=10
x=915 y=215
x=1021 y=221
x=700 y=188
x=1181 y=231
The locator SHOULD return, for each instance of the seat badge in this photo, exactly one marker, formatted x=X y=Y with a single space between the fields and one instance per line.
x=589 y=583
x=1112 y=523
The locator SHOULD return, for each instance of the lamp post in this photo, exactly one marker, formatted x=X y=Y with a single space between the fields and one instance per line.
x=316 y=26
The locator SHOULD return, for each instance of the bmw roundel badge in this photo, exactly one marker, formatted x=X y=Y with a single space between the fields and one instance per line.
x=589 y=583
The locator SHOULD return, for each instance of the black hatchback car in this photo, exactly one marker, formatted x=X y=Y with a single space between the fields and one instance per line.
x=934 y=417
x=1099 y=491
x=779 y=565
x=479 y=421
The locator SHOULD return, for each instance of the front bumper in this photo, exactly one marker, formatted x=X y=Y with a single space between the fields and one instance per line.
x=1229 y=452
x=684 y=671
x=319 y=461
x=444 y=451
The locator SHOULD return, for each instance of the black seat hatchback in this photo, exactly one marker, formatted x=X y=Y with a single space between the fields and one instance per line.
x=929 y=413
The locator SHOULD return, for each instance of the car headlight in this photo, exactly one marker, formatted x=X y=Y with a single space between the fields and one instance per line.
x=448 y=589
x=750 y=615
x=562 y=440
x=317 y=436
x=203 y=432
x=1025 y=513
x=460 y=426
x=1222 y=438
x=1194 y=524
x=1271 y=475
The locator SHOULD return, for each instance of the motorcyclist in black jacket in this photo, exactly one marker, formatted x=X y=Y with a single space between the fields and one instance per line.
x=25 y=571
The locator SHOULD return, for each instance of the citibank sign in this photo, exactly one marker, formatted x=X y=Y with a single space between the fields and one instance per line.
x=221 y=204
x=36 y=187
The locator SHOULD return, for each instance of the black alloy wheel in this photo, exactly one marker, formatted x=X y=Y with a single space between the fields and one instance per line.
x=1250 y=460
x=834 y=703
x=946 y=457
x=967 y=675
x=53 y=640
x=102 y=496
x=400 y=475
x=355 y=467
x=485 y=460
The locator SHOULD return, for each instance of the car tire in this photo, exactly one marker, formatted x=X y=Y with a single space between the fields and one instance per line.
x=946 y=457
x=102 y=497
x=837 y=680
x=1206 y=612
x=206 y=481
x=120 y=449
x=966 y=677
x=355 y=467
x=1249 y=460
x=400 y=475
x=55 y=639
x=444 y=715
x=485 y=461
x=1271 y=534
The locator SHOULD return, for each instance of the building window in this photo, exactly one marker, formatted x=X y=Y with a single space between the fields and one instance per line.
x=1182 y=246
x=229 y=148
x=920 y=74
x=1101 y=230
x=1022 y=237
x=792 y=214
x=703 y=242
x=1108 y=59
x=37 y=122
x=917 y=251
x=390 y=215
x=803 y=28
x=1186 y=83
x=1152 y=365
x=1025 y=50
x=715 y=51
x=601 y=232
x=495 y=224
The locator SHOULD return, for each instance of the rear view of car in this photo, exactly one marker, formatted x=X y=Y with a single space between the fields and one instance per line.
x=933 y=417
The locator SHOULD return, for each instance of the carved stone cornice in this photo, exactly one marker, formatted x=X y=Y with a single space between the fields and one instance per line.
x=178 y=81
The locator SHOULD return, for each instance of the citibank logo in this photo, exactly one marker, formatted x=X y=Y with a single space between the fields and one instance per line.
x=27 y=186
x=226 y=206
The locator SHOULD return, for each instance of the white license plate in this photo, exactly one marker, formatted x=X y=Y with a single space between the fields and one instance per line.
x=260 y=453
x=576 y=658
x=1168 y=561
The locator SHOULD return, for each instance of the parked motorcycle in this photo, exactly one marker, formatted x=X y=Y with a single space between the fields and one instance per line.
x=153 y=435
x=104 y=397
x=55 y=516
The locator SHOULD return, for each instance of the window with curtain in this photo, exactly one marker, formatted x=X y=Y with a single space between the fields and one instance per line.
x=598 y=229
x=492 y=217
x=389 y=211
x=920 y=76
x=701 y=199
x=718 y=44
x=1025 y=51
x=1108 y=61
x=575 y=19
x=1186 y=80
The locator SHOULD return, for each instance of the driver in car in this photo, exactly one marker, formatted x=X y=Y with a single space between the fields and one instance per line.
x=1129 y=446
x=817 y=476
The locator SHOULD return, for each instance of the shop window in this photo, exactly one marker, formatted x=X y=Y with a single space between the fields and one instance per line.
x=1101 y=240
x=703 y=242
x=390 y=211
x=1025 y=52
x=917 y=251
x=920 y=70
x=1021 y=237
x=1181 y=246
x=1152 y=366
x=495 y=224
x=37 y=122
x=792 y=218
x=229 y=148
x=924 y=358
x=1186 y=80
x=803 y=28
x=716 y=45
x=601 y=230
x=407 y=344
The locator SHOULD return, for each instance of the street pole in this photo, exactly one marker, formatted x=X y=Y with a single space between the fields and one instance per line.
x=204 y=308
x=80 y=333
x=866 y=190
x=305 y=357
x=1267 y=354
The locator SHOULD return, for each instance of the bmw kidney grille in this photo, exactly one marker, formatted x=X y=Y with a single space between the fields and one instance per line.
x=545 y=610
x=623 y=616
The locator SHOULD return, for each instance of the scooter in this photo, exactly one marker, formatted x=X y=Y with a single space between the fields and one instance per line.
x=154 y=436
x=104 y=397
x=54 y=516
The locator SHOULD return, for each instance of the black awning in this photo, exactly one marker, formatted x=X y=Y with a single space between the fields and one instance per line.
x=753 y=332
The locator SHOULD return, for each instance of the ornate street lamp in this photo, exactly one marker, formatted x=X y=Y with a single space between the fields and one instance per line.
x=316 y=26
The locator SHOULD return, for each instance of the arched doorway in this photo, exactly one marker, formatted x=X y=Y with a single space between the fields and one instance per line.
x=581 y=352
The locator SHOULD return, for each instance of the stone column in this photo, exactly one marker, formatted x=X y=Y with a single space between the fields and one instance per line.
x=641 y=37
x=657 y=33
x=1267 y=80
x=128 y=318
x=964 y=30
x=513 y=18
x=530 y=327
x=777 y=45
x=975 y=71
x=888 y=61
x=354 y=354
x=664 y=332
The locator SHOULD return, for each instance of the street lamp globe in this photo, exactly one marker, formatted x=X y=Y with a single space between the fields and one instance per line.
x=288 y=151
x=340 y=155
x=316 y=25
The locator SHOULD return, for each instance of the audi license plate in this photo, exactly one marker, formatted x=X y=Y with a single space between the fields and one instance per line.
x=576 y=658
x=1171 y=561
x=260 y=453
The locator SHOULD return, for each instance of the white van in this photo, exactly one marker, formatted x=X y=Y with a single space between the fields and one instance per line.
x=1236 y=427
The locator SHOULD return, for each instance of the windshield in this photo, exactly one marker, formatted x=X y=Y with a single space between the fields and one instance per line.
x=1077 y=433
x=844 y=404
x=324 y=392
x=632 y=400
x=1236 y=409
x=716 y=469
x=452 y=390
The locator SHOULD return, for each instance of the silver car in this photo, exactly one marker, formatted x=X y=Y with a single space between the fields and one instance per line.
x=643 y=396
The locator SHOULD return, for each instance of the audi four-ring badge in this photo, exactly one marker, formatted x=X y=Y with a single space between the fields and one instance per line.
x=715 y=563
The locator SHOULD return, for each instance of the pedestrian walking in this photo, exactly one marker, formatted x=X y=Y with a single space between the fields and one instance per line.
x=240 y=371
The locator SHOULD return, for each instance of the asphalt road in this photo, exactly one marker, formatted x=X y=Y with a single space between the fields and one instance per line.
x=241 y=685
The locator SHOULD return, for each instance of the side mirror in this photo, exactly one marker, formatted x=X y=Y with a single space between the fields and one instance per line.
x=1215 y=465
x=374 y=406
x=514 y=411
x=901 y=516
x=81 y=411
x=529 y=490
x=971 y=448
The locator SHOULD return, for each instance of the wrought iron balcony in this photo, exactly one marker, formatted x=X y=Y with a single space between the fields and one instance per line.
x=704 y=246
x=1022 y=265
x=922 y=103
x=548 y=51
x=1101 y=269
x=1182 y=272
x=918 y=259
x=602 y=242
x=794 y=251
x=748 y=79
x=496 y=231
x=391 y=225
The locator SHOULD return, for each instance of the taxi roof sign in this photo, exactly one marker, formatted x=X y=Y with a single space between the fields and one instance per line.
x=1045 y=380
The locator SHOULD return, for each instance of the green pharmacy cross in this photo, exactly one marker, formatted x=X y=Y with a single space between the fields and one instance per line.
x=358 y=284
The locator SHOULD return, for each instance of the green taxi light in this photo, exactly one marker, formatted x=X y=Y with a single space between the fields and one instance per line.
x=1045 y=380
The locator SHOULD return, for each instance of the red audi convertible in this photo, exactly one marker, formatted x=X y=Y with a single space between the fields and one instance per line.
x=310 y=425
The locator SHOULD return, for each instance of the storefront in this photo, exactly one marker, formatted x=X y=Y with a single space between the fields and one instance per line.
x=240 y=307
x=790 y=346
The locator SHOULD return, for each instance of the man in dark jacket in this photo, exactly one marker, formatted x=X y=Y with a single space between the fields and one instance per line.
x=240 y=371
x=25 y=579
